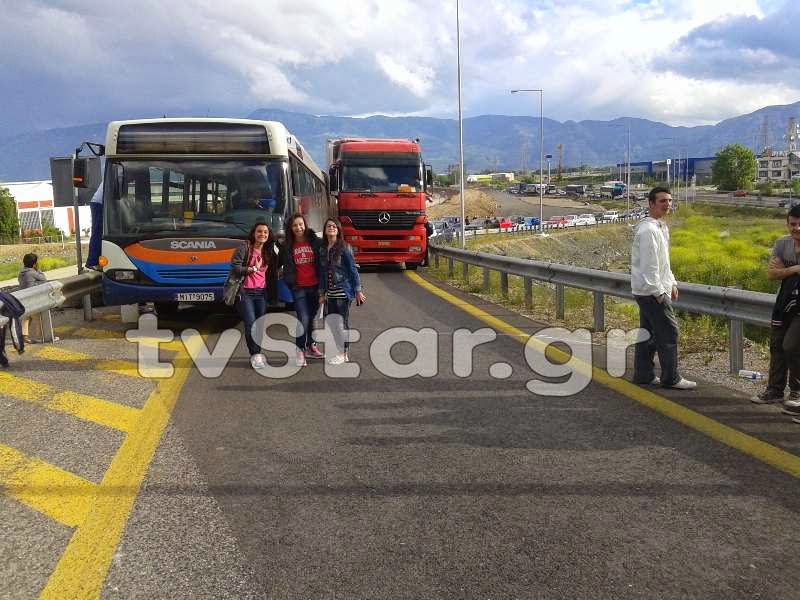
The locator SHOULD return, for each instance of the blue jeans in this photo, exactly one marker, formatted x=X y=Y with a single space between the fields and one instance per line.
x=306 y=305
x=340 y=306
x=251 y=304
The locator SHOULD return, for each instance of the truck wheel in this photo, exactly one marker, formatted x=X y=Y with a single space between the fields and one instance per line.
x=412 y=266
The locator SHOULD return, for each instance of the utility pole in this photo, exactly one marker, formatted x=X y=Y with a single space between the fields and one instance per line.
x=560 y=161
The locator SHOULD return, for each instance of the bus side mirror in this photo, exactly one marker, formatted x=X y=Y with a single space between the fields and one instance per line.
x=333 y=176
x=80 y=172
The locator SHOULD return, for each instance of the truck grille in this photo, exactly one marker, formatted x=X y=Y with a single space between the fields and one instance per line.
x=370 y=219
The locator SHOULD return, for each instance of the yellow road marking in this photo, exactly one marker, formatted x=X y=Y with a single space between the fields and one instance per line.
x=56 y=353
x=767 y=453
x=83 y=567
x=58 y=494
x=98 y=334
x=87 y=408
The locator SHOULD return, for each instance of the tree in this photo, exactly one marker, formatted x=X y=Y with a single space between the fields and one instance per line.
x=796 y=187
x=734 y=168
x=9 y=224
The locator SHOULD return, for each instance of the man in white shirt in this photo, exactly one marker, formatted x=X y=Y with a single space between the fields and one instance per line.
x=655 y=289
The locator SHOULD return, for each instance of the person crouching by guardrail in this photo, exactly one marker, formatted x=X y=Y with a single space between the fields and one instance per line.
x=339 y=284
x=654 y=288
x=784 y=342
x=30 y=276
x=255 y=266
x=301 y=272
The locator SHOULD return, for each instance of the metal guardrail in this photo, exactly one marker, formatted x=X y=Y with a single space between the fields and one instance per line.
x=735 y=305
x=41 y=298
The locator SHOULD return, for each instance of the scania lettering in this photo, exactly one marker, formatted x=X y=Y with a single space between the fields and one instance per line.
x=382 y=187
x=180 y=195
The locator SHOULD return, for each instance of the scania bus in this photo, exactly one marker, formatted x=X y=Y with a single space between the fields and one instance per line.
x=179 y=195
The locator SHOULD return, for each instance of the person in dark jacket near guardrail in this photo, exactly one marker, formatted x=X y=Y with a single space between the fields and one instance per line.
x=301 y=273
x=784 y=343
x=29 y=276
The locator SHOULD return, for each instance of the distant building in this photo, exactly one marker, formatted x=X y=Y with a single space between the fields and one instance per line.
x=778 y=167
x=682 y=169
x=35 y=209
x=486 y=177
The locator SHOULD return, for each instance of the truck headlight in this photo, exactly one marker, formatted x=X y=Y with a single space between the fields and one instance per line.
x=415 y=248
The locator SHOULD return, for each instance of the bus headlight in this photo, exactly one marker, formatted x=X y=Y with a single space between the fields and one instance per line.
x=124 y=275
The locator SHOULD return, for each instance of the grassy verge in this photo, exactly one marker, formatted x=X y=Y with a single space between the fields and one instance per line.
x=11 y=270
x=711 y=244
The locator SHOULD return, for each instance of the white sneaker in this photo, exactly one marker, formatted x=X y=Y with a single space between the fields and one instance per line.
x=257 y=361
x=683 y=384
x=655 y=381
x=339 y=359
x=300 y=359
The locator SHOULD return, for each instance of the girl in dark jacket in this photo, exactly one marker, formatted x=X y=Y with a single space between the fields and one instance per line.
x=339 y=282
x=301 y=273
x=257 y=262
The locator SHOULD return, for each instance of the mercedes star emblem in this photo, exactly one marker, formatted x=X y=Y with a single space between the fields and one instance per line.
x=384 y=218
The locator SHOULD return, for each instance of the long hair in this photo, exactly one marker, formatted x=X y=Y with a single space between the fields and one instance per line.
x=290 y=241
x=338 y=246
x=267 y=248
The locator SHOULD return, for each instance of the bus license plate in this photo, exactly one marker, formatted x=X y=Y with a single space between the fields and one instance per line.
x=195 y=297
x=384 y=244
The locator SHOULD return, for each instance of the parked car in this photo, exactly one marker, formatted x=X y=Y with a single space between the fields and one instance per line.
x=611 y=215
x=530 y=221
x=586 y=219
x=556 y=221
x=572 y=220
x=476 y=224
x=507 y=224
x=740 y=193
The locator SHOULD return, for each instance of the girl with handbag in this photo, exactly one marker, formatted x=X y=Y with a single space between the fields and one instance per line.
x=339 y=282
x=301 y=273
x=256 y=265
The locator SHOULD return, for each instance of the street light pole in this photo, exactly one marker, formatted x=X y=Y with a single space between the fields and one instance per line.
x=541 y=154
x=628 y=182
x=460 y=131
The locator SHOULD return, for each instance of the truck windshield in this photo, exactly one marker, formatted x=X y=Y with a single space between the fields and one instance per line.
x=382 y=178
x=156 y=198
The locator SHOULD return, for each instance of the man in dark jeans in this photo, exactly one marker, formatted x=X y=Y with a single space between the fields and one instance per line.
x=654 y=287
x=784 y=343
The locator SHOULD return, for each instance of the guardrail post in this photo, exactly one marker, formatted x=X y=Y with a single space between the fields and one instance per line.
x=47 y=326
x=486 y=273
x=560 y=301
x=436 y=260
x=528 y=282
x=504 y=284
x=736 y=345
x=465 y=272
x=599 y=310
x=450 y=267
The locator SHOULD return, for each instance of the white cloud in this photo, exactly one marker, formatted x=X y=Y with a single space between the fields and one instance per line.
x=595 y=58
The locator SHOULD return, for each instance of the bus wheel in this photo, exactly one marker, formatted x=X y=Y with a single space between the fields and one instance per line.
x=166 y=309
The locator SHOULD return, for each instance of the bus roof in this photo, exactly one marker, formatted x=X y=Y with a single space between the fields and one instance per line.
x=279 y=141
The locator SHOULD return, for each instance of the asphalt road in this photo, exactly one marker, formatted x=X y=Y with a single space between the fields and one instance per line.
x=513 y=204
x=448 y=486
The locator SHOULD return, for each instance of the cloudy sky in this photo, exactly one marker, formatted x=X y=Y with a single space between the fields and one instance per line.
x=70 y=62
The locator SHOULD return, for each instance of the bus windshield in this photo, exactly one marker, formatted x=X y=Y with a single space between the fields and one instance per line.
x=381 y=178
x=221 y=198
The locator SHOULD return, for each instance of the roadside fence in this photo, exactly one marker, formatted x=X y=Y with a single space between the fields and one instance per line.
x=736 y=305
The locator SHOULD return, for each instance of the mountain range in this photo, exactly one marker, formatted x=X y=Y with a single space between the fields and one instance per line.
x=491 y=142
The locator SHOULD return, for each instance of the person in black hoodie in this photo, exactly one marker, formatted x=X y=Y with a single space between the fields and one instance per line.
x=301 y=273
x=784 y=344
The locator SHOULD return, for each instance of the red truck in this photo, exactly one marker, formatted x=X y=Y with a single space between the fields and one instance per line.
x=382 y=189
